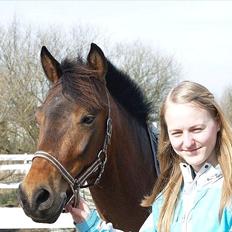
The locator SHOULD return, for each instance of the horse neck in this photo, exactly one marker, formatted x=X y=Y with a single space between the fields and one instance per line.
x=129 y=147
x=129 y=173
x=128 y=133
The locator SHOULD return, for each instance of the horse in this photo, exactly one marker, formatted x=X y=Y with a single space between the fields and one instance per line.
x=92 y=132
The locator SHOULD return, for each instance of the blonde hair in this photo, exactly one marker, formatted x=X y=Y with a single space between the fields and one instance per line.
x=170 y=180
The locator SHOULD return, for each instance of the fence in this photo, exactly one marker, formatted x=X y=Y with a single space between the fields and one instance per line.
x=12 y=169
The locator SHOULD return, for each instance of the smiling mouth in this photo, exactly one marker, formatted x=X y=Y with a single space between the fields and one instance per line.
x=192 y=150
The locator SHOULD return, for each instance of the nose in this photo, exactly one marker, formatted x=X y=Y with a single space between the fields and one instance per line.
x=188 y=140
x=41 y=200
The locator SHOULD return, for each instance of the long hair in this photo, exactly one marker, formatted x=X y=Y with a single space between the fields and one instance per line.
x=170 y=180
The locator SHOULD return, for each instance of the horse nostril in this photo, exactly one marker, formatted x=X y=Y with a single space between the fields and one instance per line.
x=42 y=196
x=43 y=199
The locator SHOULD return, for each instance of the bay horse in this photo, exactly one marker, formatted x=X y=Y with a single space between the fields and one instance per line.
x=92 y=129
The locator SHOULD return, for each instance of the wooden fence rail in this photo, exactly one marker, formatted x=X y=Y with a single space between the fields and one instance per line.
x=14 y=217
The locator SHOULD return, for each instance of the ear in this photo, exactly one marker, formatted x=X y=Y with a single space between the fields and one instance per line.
x=50 y=65
x=97 y=60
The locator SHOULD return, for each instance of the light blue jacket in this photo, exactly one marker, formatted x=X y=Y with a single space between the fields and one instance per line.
x=197 y=209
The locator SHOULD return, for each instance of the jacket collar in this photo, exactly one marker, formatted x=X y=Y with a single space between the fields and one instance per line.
x=206 y=175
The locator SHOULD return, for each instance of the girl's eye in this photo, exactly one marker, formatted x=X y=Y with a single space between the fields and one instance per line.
x=176 y=133
x=88 y=119
x=197 y=130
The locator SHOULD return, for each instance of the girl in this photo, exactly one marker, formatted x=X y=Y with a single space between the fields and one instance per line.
x=194 y=189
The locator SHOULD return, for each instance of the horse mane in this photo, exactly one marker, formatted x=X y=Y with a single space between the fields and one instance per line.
x=128 y=93
x=123 y=89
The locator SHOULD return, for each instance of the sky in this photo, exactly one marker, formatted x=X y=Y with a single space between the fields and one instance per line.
x=198 y=34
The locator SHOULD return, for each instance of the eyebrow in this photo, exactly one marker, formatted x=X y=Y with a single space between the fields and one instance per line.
x=192 y=127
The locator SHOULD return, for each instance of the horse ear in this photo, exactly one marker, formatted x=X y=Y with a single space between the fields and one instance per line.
x=97 y=60
x=50 y=65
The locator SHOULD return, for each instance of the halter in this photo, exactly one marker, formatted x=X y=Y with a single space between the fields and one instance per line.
x=77 y=183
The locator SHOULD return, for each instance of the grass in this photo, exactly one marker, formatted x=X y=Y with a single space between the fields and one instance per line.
x=8 y=198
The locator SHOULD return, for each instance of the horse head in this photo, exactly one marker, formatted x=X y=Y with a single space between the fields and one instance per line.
x=72 y=134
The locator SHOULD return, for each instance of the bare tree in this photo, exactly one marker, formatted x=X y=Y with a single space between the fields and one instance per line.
x=22 y=82
x=155 y=73
x=20 y=88
x=23 y=85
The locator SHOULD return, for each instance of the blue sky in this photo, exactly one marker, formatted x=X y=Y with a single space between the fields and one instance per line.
x=197 y=33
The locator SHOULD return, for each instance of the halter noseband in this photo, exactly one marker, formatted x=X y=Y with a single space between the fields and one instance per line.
x=77 y=183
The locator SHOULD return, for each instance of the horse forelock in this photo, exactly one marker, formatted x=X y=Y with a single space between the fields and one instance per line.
x=80 y=83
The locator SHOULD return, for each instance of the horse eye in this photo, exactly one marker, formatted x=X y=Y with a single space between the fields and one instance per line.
x=88 y=119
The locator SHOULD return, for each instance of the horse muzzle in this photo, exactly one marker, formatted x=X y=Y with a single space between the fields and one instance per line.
x=42 y=205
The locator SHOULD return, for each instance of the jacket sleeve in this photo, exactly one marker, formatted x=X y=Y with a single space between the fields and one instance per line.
x=151 y=222
x=95 y=224
x=226 y=220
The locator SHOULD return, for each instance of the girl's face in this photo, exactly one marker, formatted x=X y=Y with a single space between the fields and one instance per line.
x=192 y=132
